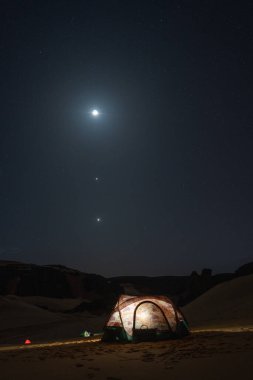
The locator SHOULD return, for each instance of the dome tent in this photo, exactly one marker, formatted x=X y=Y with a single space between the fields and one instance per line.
x=138 y=318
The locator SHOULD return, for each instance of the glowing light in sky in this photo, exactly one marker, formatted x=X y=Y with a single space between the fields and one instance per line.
x=99 y=220
x=95 y=113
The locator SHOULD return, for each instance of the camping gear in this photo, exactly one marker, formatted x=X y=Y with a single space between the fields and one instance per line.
x=142 y=318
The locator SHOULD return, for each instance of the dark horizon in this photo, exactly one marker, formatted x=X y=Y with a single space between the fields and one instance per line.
x=198 y=271
x=160 y=180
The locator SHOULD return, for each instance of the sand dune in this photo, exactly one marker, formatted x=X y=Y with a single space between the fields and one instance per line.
x=16 y=313
x=229 y=304
x=52 y=304
x=19 y=319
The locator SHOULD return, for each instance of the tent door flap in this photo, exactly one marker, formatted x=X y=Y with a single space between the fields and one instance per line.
x=144 y=334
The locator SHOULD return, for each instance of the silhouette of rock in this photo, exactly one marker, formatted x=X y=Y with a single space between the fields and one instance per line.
x=244 y=270
x=99 y=293
x=54 y=281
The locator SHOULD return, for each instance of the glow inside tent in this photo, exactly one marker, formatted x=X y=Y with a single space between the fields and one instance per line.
x=144 y=318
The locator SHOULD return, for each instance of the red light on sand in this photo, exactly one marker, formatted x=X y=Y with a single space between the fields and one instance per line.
x=28 y=341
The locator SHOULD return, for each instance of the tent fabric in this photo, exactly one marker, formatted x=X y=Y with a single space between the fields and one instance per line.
x=151 y=313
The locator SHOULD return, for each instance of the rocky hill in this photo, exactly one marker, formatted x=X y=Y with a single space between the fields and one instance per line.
x=99 y=293
x=55 y=281
x=181 y=289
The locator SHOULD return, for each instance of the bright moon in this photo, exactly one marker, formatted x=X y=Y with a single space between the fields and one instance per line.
x=95 y=113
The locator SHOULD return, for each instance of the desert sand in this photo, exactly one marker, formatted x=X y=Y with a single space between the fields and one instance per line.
x=199 y=356
x=219 y=347
x=21 y=318
x=229 y=304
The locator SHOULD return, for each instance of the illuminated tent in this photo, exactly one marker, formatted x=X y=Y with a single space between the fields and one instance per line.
x=137 y=318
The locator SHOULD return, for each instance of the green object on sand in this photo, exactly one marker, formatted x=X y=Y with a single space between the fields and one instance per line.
x=85 y=334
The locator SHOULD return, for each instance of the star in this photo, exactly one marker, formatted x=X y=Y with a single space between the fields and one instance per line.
x=99 y=220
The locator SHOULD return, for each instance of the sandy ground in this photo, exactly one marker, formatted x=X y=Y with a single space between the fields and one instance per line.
x=205 y=355
x=21 y=318
x=220 y=346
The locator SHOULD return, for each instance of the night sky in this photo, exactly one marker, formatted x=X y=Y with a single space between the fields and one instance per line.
x=172 y=146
